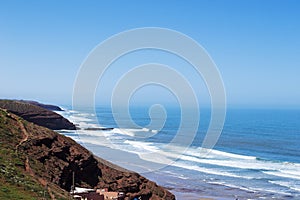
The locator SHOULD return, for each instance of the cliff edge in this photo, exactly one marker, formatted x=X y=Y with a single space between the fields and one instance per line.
x=37 y=162
x=35 y=113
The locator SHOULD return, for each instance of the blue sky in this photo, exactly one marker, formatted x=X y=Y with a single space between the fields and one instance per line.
x=255 y=44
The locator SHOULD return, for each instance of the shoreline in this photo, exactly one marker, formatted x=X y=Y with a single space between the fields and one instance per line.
x=211 y=190
x=208 y=191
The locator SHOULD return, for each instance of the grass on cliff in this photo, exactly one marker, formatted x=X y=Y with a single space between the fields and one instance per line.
x=15 y=183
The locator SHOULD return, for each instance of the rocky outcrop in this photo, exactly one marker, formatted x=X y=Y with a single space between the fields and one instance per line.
x=52 y=158
x=37 y=115
x=46 y=106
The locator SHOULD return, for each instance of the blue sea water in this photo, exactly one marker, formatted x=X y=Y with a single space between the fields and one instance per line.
x=256 y=157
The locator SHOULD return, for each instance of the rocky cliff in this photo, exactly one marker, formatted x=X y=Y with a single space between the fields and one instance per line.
x=49 y=159
x=37 y=114
x=46 y=106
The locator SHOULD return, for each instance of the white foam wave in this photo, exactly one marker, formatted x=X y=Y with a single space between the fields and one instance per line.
x=143 y=132
x=148 y=147
x=129 y=132
x=94 y=134
x=208 y=170
x=149 y=130
x=105 y=143
x=236 y=163
x=291 y=170
x=273 y=191
x=250 y=189
x=177 y=175
x=289 y=185
x=231 y=155
x=73 y=111
x=212 y=153
x=282 y=173
x=78 y=119
x=231 y=186
x=226 y=160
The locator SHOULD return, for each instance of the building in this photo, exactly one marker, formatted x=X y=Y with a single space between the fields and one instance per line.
x=111 y=195
x=99 y=194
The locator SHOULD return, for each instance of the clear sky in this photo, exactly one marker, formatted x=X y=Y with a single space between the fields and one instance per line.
x=254 y=43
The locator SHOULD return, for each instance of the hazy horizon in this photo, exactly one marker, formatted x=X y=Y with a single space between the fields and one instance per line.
x=255 y=45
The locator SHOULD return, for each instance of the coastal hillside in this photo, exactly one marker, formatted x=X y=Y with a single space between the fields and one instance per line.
x=37 y=162
x=37 y=113
x=17 y=178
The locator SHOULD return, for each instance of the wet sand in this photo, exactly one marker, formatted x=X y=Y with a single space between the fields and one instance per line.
x=195 y=196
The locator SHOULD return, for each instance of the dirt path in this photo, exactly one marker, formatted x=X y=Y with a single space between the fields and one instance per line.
x=28 y=169
x=24 y=133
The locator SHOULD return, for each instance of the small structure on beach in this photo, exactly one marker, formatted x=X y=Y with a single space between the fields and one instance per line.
x=96 y=194
x=111 y=195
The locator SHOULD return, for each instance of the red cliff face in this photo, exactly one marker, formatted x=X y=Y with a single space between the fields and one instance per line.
x=36 y=114
x=51 y=158
x=60 y=156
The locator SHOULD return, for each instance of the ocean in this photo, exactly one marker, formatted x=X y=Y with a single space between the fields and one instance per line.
x=256 y=157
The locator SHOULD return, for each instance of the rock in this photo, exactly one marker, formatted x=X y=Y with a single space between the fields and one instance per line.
x=37 y=115
x=46 y=106
x=99 y=129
